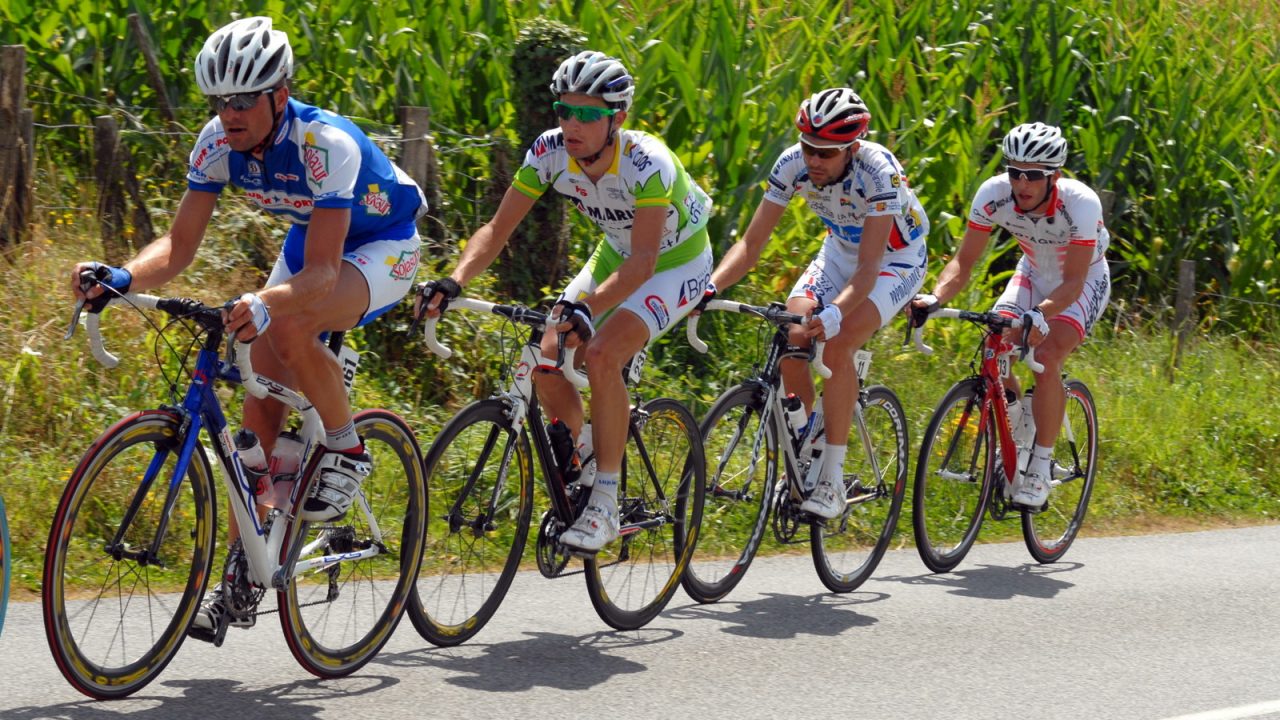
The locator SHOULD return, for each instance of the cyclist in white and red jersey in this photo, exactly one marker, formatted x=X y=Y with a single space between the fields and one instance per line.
x=871 y=263
x=350 y=255
x=648 y=272
x=1061 y=284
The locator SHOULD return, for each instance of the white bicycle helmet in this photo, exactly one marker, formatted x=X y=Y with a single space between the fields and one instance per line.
x=242 y=57
x=837 y=114
x=595 y=74
x=1036 y=143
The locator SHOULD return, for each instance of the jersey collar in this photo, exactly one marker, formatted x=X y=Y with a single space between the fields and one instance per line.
x=576 y=169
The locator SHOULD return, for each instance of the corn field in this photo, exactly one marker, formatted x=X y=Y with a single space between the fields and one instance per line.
x=1171 y=105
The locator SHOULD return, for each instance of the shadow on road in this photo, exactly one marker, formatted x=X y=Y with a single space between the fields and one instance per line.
x=991 y=582
x=223 y=698
x=548 y=660
x=782 y=617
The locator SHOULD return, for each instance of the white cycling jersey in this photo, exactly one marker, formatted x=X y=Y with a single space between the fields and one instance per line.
x=644 y=173
x=1074 y=218
x=875 y=184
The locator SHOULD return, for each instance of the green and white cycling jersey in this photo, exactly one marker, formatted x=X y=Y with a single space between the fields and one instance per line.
x=644 y=173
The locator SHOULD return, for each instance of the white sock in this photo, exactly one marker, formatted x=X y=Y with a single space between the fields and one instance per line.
x=833 y=462
x=1040 y=458
x=588 y=476
x=344 y=438
x=605 y=491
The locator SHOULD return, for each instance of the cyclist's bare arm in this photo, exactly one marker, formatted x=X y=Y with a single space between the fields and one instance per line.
x=1075 y=268
x=746 y=252
x=167 y=256
x=956 y=274
x=646 y=238
x=875 y=237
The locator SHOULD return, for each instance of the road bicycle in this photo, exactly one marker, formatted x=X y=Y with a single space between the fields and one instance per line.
x=6 y=568
x=480 y=480
x=132 y=543
x=749 y=439
x=968 y=457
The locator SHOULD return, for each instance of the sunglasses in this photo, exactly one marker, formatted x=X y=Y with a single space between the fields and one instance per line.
x=826 y=152
x=239 y=102
x=1028 y=173
x=583 y=113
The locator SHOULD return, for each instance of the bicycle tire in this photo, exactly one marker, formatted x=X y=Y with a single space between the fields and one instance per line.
x=953 y=481
x=90 y=651
x=6 y=567
x=1049 y=534
x=337 y=617
x=846 y=550
x=632 y=579
x=736 y=496
x=469 y=562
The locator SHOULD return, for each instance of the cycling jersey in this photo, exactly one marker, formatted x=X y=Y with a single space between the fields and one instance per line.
x=874 y=184
x=1074 y=218
x=316 y=160
x=644 y=173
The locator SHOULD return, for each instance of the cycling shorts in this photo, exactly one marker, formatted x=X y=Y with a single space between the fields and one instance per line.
x=1026 y=290
x=900 y=278
x=662 y=301
x=388 y=267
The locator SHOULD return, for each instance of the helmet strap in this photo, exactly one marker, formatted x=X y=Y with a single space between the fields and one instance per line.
x=275 y=126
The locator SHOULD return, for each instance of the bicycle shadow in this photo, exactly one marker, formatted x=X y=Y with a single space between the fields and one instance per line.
x=993 y=582
x=779 y=616
x=551 y=660
x=288 y=701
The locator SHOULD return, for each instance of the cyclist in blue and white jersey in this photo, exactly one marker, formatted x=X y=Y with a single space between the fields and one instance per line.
x=1061 y=284
x=648 y=272
x=871 y=263
x=350 y=255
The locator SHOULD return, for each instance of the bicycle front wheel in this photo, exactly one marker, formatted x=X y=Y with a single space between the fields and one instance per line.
x=129 y=553
x=953 y=477
x=847 y=549
x=480 y=479
x=660 y=493
x=340 y=611
x=742 y=453
x=1049 y=534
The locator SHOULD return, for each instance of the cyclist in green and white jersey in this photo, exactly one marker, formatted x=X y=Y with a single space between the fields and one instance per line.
x=649 y=271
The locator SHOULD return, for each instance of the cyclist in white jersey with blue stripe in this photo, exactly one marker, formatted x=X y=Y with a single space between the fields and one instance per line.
x=648 y=272
x=1061 y=284
x=351 y=254
x=871 y=263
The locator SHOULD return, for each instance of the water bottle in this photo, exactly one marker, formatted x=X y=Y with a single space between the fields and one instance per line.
x=585 y=457
x=285 y=462
x=561 y=447
x=1024 y=429
x=253 y=461
x=815 y=441
x=796 y=419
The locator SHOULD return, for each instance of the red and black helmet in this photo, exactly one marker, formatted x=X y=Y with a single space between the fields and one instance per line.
x=837 y=114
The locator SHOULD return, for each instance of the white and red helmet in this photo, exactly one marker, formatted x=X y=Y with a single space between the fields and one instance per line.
x=242 y=57
x=837 y=115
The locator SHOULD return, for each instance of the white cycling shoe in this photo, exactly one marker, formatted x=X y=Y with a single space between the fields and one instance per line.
x=595 y=528
x=1032 y=492
x=827 y=499
x=340 y=477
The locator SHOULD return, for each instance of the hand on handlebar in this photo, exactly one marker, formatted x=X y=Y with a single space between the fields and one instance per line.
x=825 y=324
x=95 y=284
x=246 y=318
x=573 y=320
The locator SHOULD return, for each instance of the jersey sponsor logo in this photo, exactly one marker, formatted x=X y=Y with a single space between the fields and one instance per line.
x=615 y=193
x=580 y=191
x=287 y=177
x=639 y=159
x=545 y=144
x=895 y=180
x=316 y=159
x=989 y=208
x=658 y=309
x=278 y=203
x=376 y=202
x=607 y=214
x=206 y=153
x=405 y=266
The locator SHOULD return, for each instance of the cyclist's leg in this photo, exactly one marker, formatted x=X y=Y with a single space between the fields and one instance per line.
x=559 y=398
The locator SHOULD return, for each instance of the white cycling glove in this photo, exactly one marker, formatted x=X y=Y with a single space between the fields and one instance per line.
x=258 y=309
x=831 y=317
x=1035 y=318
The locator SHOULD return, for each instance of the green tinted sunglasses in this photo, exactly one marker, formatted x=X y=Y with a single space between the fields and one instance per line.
x=584 y=113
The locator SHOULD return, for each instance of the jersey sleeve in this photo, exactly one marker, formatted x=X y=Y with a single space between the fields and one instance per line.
x=780 y=185
x=885 y=189
x=535 y=176
x=332 y=160
x=648 y=168
x=1086 y=221
x=984 y=206
x=207 y=168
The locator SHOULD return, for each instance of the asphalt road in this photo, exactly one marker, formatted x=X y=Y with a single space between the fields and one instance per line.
x=1163 y=626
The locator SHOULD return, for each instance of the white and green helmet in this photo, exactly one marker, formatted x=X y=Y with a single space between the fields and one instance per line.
x=598 y=75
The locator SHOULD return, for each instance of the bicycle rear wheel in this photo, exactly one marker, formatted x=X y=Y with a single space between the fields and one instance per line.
x=5 y=560
x=847 y=549
x=338 y=615
x=953 y=477
x=1049 y=534
x=743 y=468
x=116 y=612
x=480 y=479
x=660 y=494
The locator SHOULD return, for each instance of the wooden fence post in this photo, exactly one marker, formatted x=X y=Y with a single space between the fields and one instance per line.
x=139 y=32
x=418 y=159
x=107 y=166
x=16 y=151
x=1184 y=311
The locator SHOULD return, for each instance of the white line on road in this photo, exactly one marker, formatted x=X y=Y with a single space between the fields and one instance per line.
x=1235 y=713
